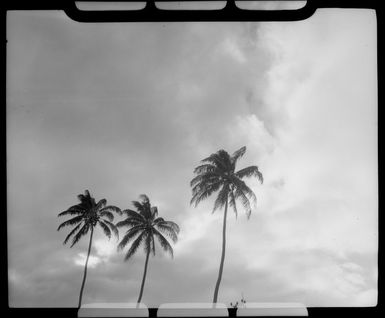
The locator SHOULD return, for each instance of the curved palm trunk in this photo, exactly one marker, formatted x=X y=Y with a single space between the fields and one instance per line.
x=85 y=269
x=223 y=256
x=144 y=277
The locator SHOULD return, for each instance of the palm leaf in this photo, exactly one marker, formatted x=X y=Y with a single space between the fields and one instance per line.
x=130 y=234
x=204 y=192
x=172 y=225
x=233 y=203
x=132 y=214
x=149 y=246
x=220 y=159
x=101 y=204
x=244 y=193
x=106 y=229
x=83 y=231
x=237 y=155
x=72 y=233
x=205 y=168
x=168 y=230
x=154 y=212
x=72 y=211
x=112 y=227
x=163 y=242
x=221 y=198
x=112 y=209
x=107 y=214
x=249 y=172
x=135 y=245
x=205 y=178
x=72 y=221
x=130 y=222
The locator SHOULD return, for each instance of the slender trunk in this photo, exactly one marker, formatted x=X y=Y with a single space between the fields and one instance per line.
x=144 y=277
x=223 y=256
x=85 y=269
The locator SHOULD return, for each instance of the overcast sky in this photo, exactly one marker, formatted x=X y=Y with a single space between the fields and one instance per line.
x=126 y=109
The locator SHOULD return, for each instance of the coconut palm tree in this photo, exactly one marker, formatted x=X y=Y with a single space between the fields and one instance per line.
x=144 y=226
x=217 y=173
x=87 y=215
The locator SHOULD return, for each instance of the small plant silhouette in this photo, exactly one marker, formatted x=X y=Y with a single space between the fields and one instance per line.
x=243 y=303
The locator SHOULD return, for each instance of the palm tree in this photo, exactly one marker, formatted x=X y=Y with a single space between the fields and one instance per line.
x=144 y=225
x=217 y=173
x=88 y=214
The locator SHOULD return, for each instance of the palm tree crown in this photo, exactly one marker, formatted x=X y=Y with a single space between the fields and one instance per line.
x=145 y=225
x=217 y=172
x=88 y=214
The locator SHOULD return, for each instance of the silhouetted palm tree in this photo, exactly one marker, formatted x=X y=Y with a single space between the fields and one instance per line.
x=88 y=214
x=217 y=173
x=146 y=226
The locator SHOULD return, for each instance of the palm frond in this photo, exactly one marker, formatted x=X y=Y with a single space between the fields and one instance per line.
x=112 y=209
x=72 y=221
x=149 y=245
x=83 y=231
x=172 y=225
x=130 y=222
x=154 y=212
x=204 y=192
x=153 y=244
x=72 y=211
x=135 y=245
x=245 y=194
x=138 y=205
x=220 y=159
x=168 y=230
x=222 y=197
x=106 y=229
x=130 y=234
x=157 y=220
x=72 y=233
x=233 y=203
x=237 y=155
x=131 y=213
x=207 y=177
x=107 y=214
x=205 y=168
x=144 y=198
x=249 y=172
x=101 y=204
x=163 y=242
x=112 y=227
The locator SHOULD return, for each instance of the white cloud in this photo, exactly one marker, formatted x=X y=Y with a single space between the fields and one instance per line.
x=81 y=258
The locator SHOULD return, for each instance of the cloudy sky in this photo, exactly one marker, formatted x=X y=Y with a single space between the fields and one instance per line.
x=126 y=109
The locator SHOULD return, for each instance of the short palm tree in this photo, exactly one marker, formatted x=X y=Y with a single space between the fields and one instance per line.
x=217 y=173
x=87 y=214
x=144 y=226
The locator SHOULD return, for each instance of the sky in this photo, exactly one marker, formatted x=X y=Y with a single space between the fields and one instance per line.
x=127 y=109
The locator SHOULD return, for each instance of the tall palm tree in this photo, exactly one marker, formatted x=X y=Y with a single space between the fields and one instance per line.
x=144 y=226
x=87 y=214
x=217 y=173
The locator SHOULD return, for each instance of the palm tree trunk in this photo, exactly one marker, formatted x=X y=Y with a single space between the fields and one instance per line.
x=85 y=269
x=144 y=277
x=223 y=256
